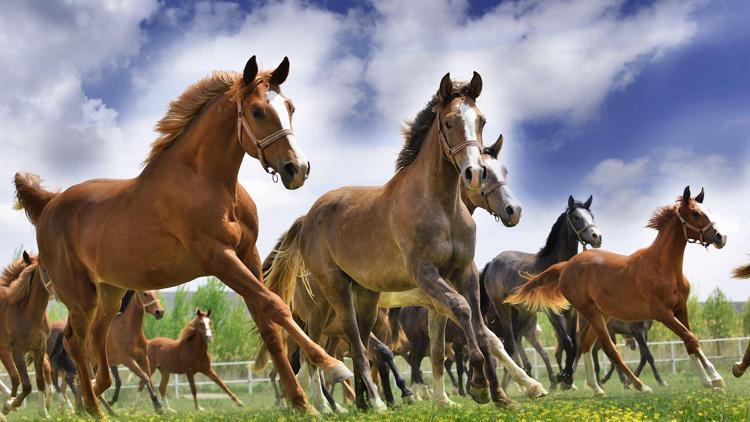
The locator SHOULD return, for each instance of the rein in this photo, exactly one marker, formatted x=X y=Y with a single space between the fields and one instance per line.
x=259 y=144
x=700 y=231
x=485 y=193
x=578 y=232
x=449 y=153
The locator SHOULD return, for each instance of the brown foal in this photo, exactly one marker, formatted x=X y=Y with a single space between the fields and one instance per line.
x=97 y=238
x=187 y=355
x=24 y=329
x=649 y=284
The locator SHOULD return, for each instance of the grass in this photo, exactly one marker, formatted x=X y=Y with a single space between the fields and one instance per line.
x=683 y=400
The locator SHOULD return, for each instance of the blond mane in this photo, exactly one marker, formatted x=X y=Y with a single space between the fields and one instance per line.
x=12 y=271
x=185 y=108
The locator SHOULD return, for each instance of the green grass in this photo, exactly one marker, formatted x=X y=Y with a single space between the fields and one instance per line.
x=684 y=399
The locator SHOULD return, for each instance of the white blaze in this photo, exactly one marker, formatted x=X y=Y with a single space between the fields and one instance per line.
x=470 y=119
x=207 y=324
x=278 y=103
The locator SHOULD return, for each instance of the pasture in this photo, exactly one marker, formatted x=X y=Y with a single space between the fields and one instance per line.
x=682 y=400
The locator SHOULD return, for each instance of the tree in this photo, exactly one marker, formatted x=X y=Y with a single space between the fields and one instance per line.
x=719 y=316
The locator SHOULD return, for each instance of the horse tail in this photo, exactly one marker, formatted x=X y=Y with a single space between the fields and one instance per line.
x=60 y=358
x=398 y=336
x=261 y=360
x=541 y=291
x=284 y=265
x=30 y=195
x=742 y=272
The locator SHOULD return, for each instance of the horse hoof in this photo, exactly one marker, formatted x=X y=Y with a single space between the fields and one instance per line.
x=535 y=391
x=736 y=371
x=480 y=395
x=337 y=373
x=663 y=383
x=644 y=389
x=598 y=392
x=309 y=410
x=408 y=399
x=507 y=404
x=718 y=383
x=447 y=403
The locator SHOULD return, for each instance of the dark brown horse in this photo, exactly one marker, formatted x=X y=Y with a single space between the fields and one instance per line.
x=127 y=343
x=97 y=238
x=24 y=329
x=62 y=364
x=187 y=355
x=636 y=334
x=649 y=284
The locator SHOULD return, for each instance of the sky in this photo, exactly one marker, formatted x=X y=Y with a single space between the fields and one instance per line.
x=628 y=101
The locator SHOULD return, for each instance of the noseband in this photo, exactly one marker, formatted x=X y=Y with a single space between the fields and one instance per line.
x=578 y=232
x=450 y=152
x=260 y=144
x=700 y=231
x=485 y=193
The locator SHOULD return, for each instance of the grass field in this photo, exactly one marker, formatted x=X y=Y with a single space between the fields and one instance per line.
x=682 y=400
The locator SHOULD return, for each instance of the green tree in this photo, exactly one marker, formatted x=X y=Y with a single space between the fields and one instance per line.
x=719 y=316
x=157 y=328
x=175 y=318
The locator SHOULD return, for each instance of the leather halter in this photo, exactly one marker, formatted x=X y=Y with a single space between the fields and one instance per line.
x=262 y=143
x=146 y=305
x=449 y=152
x=485 y=192
x=700 y=231
x=46 y=282
x=578 y=231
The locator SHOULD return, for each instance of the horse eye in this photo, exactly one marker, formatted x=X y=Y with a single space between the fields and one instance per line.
x=696 y=214
x=257 y=112
x=448 y=125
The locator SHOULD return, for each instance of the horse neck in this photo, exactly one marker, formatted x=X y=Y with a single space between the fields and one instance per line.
x=196 y=342
x=433 y=175
x=669 y=246
x=134 y=314
x=566 y=245
x=37 y=300
x=209 y=147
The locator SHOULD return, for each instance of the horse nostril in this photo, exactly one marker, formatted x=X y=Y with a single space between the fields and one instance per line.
x=290 y=169
x=467 y=174
x=484 y=174
x=509 y=210
x=594 y=236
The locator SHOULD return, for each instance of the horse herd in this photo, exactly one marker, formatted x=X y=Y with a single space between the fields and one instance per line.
x=366 y=265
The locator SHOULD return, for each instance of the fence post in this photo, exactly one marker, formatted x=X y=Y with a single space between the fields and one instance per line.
x=176 y=386
x=739 y=347
x=671 y=354
x=249 y=380
x=536 y=363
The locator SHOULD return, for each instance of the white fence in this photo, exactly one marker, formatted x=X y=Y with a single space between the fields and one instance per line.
x=667 y=355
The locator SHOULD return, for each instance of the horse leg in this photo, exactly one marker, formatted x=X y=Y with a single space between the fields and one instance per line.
x=448 y=367
x=406 y=395
x=458 y=352
x=215 y=378
x=268 y=309
x=702 y=365
x=532 y=337
x=739 y=368
x=191 y=380
x=565 y=376
x=318 y=319
x=108 y=303
x=640 y=338
x=386 y=364
x=118 y=384
x=586 y=341
x=19 y=359
x=163 y=384
x=6 y=356
x=436 y=328
x=137 y=369
x=42 y=375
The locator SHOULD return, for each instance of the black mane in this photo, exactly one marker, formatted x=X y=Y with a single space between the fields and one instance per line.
x=549 y=246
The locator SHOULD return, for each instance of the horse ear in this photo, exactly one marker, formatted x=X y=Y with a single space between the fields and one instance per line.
x=699 y=198
x=278 y=76
x=26 y=258
x=208 y=314
x=588 y=202
x=251 y=71
x=446 y=87
x=497 y=146
x=475 y=86
x=686 y=195
x=198 y=312
x=571 y=202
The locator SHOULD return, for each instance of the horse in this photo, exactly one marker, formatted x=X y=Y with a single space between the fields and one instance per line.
x=62 y=363
x=187 y=355
x=96 y=238
x=574 y=226
x=739 y=368
x=24 y=329
x=648 y=284
x=638 y=332
x=127 y=343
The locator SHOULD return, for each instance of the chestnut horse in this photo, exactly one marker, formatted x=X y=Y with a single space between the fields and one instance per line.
x=97 y=238
x=649 y=284
x=414 y=231
x=127 y=343
x=187 y=355
x=739 y=368
x=24 y=328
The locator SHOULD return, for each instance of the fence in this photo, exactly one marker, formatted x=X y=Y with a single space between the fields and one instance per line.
x=666 y=353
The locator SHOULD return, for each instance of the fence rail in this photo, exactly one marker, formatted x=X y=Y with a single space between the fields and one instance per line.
x=670 y=353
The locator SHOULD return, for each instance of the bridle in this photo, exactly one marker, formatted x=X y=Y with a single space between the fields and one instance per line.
x=46 y=282
x=578 y=231
x=259 y=144
x=485 y=192
x=146 y=305
x=450 y=152
x=700 y=231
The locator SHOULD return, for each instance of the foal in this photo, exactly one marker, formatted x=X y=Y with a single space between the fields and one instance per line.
x=649 y=284
x=187 y=355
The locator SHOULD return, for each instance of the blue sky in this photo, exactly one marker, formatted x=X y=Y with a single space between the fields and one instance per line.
x=626 y=100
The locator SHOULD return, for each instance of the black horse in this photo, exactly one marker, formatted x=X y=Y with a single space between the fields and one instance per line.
x=502 y=275
x=638 y=331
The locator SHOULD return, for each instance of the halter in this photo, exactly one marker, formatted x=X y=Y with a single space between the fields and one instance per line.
x=700 y=231
x=578 y=232
x=47 y=283
x=146 y=305
x=449 y=153
x=485 y=193
x=260 y=144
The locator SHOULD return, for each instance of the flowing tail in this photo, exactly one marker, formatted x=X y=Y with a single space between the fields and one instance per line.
x=280 y=271
x=30 y=195
x=542 y=291
x=742 y=272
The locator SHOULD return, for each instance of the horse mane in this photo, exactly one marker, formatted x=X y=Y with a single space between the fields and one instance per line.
x=415 y=130
x=19 y=289
x=126 y=301
x=549 y=246
x=12 y=271
x=662 y=216
x=188 y=106
x=188 y=331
